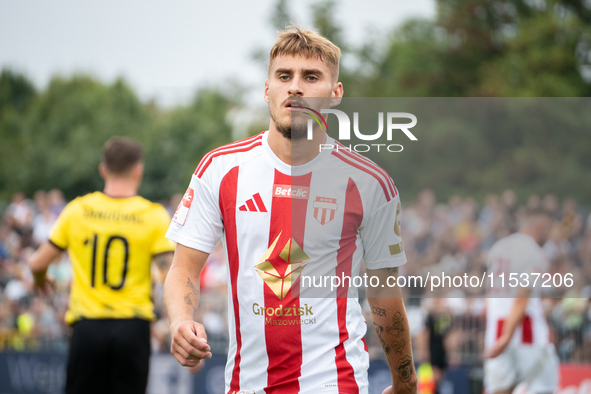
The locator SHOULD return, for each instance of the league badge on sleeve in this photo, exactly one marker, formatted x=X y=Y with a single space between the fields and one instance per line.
x=180 y=216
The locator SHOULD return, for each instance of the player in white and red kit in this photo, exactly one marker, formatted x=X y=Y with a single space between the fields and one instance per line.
x=285 y=211
x=518 y=347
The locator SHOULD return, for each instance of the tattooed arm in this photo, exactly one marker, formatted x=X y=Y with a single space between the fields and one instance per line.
x=391 y=327
x=181 y=297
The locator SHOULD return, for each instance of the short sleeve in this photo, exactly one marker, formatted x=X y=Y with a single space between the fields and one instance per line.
x=161 y=244
x=197 y=222
x=58 y=236
x=381 y=238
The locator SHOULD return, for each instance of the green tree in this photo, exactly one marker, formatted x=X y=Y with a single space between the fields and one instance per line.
x=16 y=91
x=323 y=18
x=181 y=138
x=488 y=48
x=65 y=129
x=16 y=95
x=281 y=16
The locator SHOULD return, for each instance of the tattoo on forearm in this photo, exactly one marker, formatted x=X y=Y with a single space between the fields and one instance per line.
x=191 y=286
x=392 y=340
x=192 y=298
x=405 y=369
x=378 y=311
x=398 y=345
x=192 y=304
x=397 y=327
x=379 y=331
x=396 y=330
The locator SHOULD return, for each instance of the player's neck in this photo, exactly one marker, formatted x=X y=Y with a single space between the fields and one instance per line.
x=120 y=188
x=294 y=152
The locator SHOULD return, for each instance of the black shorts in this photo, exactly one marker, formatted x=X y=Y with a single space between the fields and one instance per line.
x=109 y=356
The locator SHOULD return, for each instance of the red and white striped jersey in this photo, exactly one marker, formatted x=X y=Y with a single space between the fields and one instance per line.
x=280 y=223
x=511 y=257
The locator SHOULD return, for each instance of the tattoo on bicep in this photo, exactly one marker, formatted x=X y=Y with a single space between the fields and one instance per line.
x=404 y=369
x=392 y=270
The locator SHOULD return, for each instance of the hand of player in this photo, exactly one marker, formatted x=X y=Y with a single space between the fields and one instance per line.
x=498 y=347
x=45 y=286
x=189 y=343
x=405 y=389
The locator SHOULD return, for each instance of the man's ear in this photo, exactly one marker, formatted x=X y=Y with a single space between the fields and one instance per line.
x=337 y=94
x=266 y=93
x=138 y=170
x=103 y=170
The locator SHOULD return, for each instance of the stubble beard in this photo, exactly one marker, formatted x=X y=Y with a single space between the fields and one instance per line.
x=293 y=129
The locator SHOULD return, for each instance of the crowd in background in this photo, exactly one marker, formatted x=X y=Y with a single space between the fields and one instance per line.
x=451 y=237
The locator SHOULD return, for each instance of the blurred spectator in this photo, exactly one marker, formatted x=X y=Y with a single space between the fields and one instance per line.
x=509 y=204
x=490 y=220
x=557 y=247
x=533 y=202
x=56 y=201
x=15 y=289
x=451 y=237
x=43 y=220
x=7 y=321
x=437 y=326
x=550 y=203
x=19 y=216
x=4 y=234
x=45 y=325
x=571 y=223
x=213 y=275
x=467 y=231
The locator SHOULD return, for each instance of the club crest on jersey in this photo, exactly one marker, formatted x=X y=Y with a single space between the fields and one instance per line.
x=325 y=209
x=292 y=257
x=180 y=216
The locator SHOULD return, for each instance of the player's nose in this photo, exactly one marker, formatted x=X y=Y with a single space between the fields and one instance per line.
x=295 y=89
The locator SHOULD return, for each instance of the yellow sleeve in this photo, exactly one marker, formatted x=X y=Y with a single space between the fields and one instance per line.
x=58 y=235
x=161 y=244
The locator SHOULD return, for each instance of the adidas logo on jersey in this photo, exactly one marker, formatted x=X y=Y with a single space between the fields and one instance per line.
x=254 y=204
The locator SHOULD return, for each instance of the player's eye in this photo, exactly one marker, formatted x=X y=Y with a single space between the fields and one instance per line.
x=311 y=78
x=284 y=77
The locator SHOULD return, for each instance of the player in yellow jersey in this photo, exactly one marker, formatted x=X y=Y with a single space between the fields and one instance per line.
x=112 y=237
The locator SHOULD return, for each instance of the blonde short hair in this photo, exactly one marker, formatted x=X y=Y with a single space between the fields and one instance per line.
x=307 y=43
